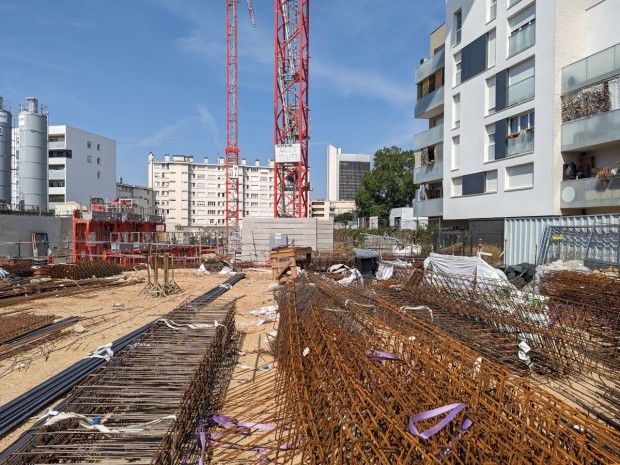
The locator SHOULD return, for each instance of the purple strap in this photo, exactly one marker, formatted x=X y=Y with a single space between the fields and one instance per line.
x=454 y=409
x=379 y=355
x=203 y=444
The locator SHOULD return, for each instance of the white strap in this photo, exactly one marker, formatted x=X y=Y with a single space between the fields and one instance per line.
x=183 y=326
x=96 y=423
x=225 y=286
x=420 y=307
x=105 y=352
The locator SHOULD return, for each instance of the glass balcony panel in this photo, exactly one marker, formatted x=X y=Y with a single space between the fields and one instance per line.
x=56 y=174
x=590 y=193
x=520 y=144
x=428 y=173
x=429 y=137
x=512 y=2
x=428 y=103
x=522 y=39
x=591 y=69
x=589 y=132
x=56 y=144
x=521 y=91
x=430 y=66
x=432 y=207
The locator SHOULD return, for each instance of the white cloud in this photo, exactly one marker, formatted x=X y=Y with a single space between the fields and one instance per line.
x=207 y=118
x=351 y=81
x=161 y=134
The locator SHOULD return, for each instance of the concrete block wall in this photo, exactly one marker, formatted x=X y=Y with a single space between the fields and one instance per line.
x=305 y=232
x=16 y=229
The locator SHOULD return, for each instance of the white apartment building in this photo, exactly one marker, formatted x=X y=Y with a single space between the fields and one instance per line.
x=344 y=173
x=190 y=193
x=81 y=165
x=523 y=110
x=328 y=209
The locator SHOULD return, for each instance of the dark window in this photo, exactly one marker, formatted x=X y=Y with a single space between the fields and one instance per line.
x=351 y=174
x=474 y=58
x=473 y=183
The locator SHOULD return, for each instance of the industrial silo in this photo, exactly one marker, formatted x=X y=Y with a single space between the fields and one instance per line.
x=6 y=125
x=32 y=167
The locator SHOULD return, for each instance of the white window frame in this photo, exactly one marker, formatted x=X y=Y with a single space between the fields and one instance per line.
x=458 y=28
x=457 y=69
x=456 y=149
x=491 y=92
x=490 y=142
x=456 y=111
x=492 y=10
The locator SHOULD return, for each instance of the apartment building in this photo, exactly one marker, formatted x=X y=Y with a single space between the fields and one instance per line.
x=344 y=173
x=190 y=193
x=81 y=165
x=328 y=209
x=143 y=197
x=521 y=99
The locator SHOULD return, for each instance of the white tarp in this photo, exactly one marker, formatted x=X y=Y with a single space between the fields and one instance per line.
x=467 y=266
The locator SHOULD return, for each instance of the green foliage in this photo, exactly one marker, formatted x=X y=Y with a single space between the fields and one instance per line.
x=347 y=238
x=343 y=217
x=388 y=185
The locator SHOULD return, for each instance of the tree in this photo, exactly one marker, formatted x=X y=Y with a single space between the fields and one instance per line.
x=343 y=217
x=388 y=185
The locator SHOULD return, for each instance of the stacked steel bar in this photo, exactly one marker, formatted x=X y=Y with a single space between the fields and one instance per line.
x=354 y=370
x=16 y=325
x=158 y=387
x=570 y=345
x=85 y=270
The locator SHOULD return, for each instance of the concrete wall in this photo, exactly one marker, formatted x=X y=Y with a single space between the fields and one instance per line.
x=306 y=232
x=16 y=229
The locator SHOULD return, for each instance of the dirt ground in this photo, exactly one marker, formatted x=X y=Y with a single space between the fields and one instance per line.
x=103 y=322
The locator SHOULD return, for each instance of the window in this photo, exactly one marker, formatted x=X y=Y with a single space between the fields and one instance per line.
x=490 y=142
x=99 y=147
x=491 y=95
x=98 y=161
x=492 y=9
x=457 y=187
x=521 y=123
x=89 y=145
x=456 y=147
x=490 y=181
x=458 y=25
x=89 y=159
x=456 y=112
x=520 y=138
x=491 y=52
x=522 y=29
x=521 y=82
x=457 y=69
x=98 y=174
x=520 y=177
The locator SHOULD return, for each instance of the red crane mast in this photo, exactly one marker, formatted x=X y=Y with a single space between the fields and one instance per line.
x=232 y=121
x=292 y=122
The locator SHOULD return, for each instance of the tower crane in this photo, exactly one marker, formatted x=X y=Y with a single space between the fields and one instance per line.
x=232 y=122
x=292 y=121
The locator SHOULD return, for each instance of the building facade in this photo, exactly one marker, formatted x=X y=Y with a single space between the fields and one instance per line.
x=141 y=196
x=81 y=165
x=344 y=173
x=521 y=98
x=328 y=209
x=193 y=194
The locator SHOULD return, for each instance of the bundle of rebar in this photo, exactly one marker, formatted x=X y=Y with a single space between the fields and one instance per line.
x=144 y=405
x=362 y=380
x=17 y=324
x=84 y=270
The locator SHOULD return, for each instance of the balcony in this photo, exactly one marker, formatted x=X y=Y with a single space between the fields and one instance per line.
x=57 y=190
x=428 y=173
x=523 y=143
x=522 y=39
x=430 y=105
x=56 y=144
x=429 y=137
x=521 y=91
x=430 y=66
x=594 y=68
x=432 y=207
x=588 y=133
x=590 y=193
x=57 y=175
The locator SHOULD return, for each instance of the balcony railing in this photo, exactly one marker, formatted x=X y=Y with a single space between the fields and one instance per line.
x=57 y=175
x=429 y=137
x=430 y=66
x=521 y=144
x=522 y=39
x=587 y=133
x=60 y=144
x=432 y=207
x=521 y=91
x=591 y=69
x=428 y=173
x=590 y=193
x=424 y=107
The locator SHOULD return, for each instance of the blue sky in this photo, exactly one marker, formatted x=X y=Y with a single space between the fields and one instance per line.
x=151 y=74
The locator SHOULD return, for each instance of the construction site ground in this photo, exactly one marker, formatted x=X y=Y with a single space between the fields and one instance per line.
x=108 y=314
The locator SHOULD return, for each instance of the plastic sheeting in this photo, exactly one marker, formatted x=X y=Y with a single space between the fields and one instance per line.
x=467 y=266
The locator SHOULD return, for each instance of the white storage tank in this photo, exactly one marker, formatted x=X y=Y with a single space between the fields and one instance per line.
x=6 y=135
x=32 y=168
